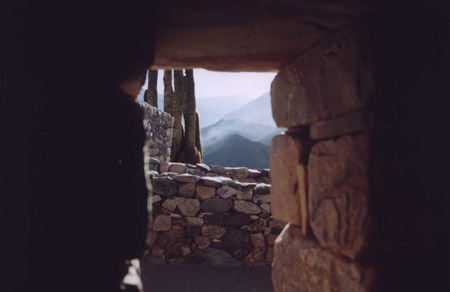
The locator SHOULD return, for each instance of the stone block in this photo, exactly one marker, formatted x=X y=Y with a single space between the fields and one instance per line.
x=204 y=192
x=244 y=194
x=286 y=154
x=162 y=223
x=194 y=221
x=164 y=166
x=339 y=193
x=302 y=265
x=213 y=231
x=202 y=242
x=348 y=124
x=186 y=178
x=216 y=205
x=164 y=186
x=237 y=220
x=177 y=167
x=246 y=207
x=259 y=199
x=169 y=238
x=187 y=190
x=258 y=240
x=188 y=207
x=226 y=191
x=330 y=79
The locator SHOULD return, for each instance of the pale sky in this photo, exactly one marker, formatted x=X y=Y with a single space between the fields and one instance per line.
x=212 y=83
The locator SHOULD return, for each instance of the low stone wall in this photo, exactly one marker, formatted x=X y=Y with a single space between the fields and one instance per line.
x=214 y=215
x=159 y=129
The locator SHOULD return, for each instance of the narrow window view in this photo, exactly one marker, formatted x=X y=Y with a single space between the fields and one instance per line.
x=209 y=145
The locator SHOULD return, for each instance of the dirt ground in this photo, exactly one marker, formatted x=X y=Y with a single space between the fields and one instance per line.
x=198 y=278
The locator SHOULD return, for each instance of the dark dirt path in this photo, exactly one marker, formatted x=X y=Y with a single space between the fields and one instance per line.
x=199 y=278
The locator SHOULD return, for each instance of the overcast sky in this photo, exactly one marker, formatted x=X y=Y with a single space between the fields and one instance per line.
x=211 y=83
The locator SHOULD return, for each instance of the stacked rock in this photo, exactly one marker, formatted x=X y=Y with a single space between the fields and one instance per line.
x=195 y=213
x=159 y=130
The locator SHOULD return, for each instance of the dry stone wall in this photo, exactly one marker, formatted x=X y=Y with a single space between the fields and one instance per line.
x=211 y=214
x=159 y=130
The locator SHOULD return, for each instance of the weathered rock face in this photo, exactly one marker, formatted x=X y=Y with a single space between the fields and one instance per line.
x=301 y=264
x=328 y=80
x=159 y=130
x=339 y=193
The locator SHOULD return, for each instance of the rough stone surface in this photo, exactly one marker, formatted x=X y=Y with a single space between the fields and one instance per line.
x=237 y=220
x=187 y=190
x=177 y=167
x=162 y=223
x=158 y=127
x=164 y=167
x=211 y=181
x=188 y=207
x=218 y=169
x=257 y=225
x=226 y=191
x=265 y=207
x=246 y=207
x=301 y=264
x=258 y=240
x=344 y=125
x=194 y=221
x=244 y=194
x=328 y=80
x=285 y=155
x=202 y=242
x=213 y=231
x=216 y=205
x=236 y=237
x=204 y=192
x=203 y=167
x=237 y=172
x=338 y=193
x=186 y=178
x=262 y=199
x=172 y=237
x=170 y=204
x=214 y=219
x=164 y=186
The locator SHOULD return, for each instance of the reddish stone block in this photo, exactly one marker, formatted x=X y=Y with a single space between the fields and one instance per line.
x=285 y=155
x=339 y=193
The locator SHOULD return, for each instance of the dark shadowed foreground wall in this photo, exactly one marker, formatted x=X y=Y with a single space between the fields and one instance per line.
x=73 y=196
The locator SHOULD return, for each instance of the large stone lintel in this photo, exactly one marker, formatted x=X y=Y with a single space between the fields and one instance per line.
x=330 y=79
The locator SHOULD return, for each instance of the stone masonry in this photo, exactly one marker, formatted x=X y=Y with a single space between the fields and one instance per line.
x=159 y=130
x=211 y=214
x=322 y=97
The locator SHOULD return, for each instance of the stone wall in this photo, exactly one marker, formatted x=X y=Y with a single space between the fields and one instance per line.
x=211 y=214
x=159 y=129
x=320 y=167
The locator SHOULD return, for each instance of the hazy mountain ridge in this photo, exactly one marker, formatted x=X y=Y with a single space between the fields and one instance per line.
x=235 y=150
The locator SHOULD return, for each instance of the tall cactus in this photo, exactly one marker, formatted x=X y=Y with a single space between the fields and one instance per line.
x=177 y=113
x=168 y=92
x=192 y=153
x=151 y=94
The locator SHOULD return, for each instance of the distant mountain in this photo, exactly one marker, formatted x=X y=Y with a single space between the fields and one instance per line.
x=253 y=121
x=268 y=139
x=235 y=150
x=212 y=109
x=257 y=111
